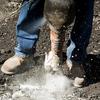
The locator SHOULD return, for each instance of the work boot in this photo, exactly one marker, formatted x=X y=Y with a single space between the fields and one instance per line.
x=77 y=73
x=52 y=62
x=11 y=65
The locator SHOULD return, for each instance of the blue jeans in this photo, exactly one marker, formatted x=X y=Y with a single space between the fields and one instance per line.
x=28 y=26
x=30 y=20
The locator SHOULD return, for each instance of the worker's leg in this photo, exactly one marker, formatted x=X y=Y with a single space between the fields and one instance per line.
x=76 y=51
x=28 y=25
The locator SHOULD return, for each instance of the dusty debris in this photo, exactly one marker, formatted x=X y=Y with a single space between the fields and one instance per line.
x=10 y=86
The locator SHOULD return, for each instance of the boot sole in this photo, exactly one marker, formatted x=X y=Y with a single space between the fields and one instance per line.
x=6 y=72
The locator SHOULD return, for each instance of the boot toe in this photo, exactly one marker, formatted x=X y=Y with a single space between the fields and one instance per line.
x=10 y=66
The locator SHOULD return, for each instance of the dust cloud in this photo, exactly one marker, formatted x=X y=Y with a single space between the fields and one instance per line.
x=44 y=86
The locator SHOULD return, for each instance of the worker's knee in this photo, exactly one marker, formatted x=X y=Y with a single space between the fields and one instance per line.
x=59 y=13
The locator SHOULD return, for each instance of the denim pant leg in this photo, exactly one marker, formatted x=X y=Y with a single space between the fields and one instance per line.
x=81 y=31
x=28 y=26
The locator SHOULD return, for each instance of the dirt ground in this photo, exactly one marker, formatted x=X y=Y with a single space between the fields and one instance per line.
x=9 y=84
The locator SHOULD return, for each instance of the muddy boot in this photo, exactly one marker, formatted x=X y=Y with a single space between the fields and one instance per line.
x=11 y=65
